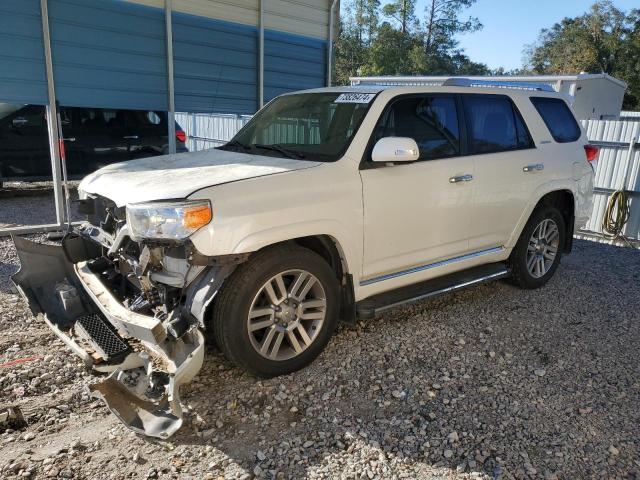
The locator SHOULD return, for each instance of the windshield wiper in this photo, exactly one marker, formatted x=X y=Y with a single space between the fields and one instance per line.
x=280 y=149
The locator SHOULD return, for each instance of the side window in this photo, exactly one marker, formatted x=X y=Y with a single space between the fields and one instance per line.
x=494 y=124
x=431 y=121
x=558 y=118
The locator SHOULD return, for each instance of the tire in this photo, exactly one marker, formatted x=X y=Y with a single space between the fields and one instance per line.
x=246 y=292
x=527 y=271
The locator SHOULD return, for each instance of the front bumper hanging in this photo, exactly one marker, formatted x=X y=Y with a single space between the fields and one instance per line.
x=147 y=365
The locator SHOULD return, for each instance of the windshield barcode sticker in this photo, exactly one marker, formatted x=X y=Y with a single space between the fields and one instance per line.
x=355 y=97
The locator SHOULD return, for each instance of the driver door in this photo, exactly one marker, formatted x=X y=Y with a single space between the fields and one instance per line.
x=417 y=214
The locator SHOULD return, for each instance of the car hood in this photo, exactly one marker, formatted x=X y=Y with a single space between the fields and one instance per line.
x=179 y=175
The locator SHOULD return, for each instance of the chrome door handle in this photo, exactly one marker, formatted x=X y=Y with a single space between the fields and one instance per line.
x=533 y=168
x=461 y=178
x=131 y=137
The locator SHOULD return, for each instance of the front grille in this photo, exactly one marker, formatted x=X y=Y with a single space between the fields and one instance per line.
x=102 y=337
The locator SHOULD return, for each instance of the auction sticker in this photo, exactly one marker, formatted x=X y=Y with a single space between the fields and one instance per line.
x=355 y=97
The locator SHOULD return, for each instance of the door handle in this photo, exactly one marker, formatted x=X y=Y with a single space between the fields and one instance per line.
x=461 y=178
x=131 y=137
x=533 y=168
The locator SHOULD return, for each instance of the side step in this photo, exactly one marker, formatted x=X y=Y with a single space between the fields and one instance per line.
x=370 y=307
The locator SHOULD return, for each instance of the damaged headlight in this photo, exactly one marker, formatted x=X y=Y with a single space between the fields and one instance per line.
x=168 y=220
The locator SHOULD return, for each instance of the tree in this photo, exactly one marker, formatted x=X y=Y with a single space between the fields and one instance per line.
x=603 y=40
x=399 y=45
x=402 y=11
x=442 y=23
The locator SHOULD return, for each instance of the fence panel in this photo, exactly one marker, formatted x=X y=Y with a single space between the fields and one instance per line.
x=617 y=167
x=205 y=130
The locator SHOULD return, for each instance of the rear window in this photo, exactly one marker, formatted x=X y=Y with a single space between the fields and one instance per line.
x=494 y=124
x=558 y=118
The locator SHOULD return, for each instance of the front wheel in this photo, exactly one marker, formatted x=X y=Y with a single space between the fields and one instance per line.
x=536 y=256
x=276 y=313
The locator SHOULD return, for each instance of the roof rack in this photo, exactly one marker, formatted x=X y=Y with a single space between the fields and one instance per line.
x=467 y=82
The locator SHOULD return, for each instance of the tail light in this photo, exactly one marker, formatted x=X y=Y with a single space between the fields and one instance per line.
x=591 y=151
x=181 y=136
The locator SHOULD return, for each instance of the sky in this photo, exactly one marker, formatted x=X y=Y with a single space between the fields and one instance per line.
x=510 y=25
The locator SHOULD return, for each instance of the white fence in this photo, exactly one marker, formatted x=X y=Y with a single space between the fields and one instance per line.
x=618 y=165
x=207 y=130
x=617 y=168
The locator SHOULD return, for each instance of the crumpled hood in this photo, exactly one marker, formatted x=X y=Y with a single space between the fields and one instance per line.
x=179 y=175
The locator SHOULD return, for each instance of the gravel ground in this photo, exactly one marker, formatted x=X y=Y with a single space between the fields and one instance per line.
x=492 y=382
x=31 y=203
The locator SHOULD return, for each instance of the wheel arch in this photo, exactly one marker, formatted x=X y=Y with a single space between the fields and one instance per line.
x=557 y=194
x=564 y=201
x=331 y=251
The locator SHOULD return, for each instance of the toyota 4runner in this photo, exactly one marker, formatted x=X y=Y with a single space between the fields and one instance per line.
x=335 y=203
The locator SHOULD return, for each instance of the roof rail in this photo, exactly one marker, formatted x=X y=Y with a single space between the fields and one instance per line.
x=467 y=82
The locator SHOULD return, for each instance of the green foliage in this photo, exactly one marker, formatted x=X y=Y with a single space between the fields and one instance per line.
x=603 y=40
x=393 y=40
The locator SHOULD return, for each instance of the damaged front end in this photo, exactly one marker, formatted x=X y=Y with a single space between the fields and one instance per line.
x=132 y=309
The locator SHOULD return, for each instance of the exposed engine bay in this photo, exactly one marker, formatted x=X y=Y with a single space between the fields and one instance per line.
x=133 y=309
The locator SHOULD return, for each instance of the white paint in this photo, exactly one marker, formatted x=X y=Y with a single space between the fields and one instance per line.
x=394 y=218
x=180 y=175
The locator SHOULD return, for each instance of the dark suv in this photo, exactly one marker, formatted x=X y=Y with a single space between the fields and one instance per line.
x=95 y=137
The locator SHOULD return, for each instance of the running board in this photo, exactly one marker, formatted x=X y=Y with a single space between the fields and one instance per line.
x=370 y=307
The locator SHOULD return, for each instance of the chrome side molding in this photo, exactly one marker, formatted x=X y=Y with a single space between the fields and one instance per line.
x=429 y=266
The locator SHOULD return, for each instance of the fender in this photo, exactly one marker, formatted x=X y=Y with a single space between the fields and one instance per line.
x=331 y=228
x=541 y=191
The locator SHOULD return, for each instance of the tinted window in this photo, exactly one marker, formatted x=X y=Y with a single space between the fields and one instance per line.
x=431 y=121
x=558 y=118
x=494 y=124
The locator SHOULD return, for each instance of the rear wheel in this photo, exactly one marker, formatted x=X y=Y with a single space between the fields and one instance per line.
x=277 y=312
x=536 y=256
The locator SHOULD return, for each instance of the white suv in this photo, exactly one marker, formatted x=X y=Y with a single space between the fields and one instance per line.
x=329 y=204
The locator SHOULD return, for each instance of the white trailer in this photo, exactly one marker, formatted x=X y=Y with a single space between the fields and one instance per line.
x=594 y=96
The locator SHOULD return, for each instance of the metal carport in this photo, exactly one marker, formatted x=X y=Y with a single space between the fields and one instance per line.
x=216 y=56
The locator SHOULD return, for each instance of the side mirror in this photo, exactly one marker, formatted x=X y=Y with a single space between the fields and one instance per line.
x=395 y=149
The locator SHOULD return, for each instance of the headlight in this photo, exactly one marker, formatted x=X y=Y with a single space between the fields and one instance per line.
x=168 y=220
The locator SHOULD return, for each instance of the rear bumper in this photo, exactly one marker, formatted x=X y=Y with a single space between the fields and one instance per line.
x=147 y=365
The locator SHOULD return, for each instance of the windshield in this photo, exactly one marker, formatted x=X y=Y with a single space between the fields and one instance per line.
x=305 y=126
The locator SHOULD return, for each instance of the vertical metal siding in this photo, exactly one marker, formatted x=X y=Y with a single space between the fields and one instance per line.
x=108 y=53
x=22 y=73
x=613 y=171
x=215 y=65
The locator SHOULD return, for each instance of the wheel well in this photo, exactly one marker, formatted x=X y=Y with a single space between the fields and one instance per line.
x=326 y=247
x=563 y=200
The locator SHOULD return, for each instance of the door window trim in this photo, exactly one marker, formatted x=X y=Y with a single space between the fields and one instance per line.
x=367 y=163
x=463 y=126
x=514 y=110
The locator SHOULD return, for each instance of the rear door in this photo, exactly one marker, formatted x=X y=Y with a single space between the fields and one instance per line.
x=507 y=168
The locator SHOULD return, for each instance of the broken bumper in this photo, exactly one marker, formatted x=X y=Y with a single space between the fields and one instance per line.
x=147 y=365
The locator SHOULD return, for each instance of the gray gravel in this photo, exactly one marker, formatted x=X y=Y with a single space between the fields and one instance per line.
x=492 y=382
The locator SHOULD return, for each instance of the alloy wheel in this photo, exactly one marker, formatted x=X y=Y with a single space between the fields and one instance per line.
x=543 y=248
x=287 y=314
